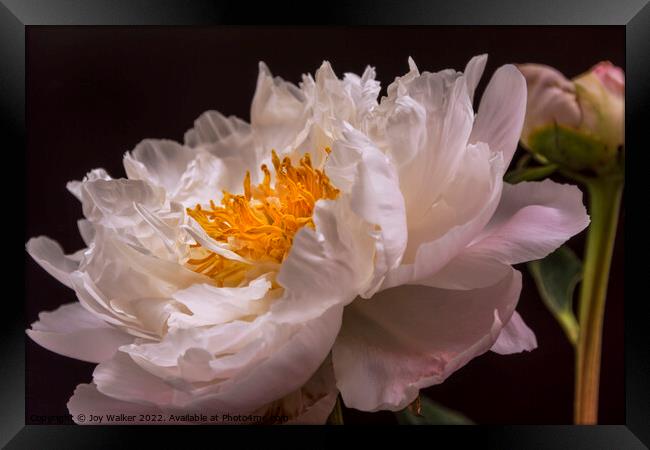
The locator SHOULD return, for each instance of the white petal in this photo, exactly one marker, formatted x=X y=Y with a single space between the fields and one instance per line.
x=110 y=202
x=49 y=255
x=122 y=379
x=118 y=280
x=205 y=179
x=72 y=331
x=532 y=220
x=515 y=337
x=326 y=266
x=86 y=230
x=230 y=143
x=211 y=305
x=278 y=112
x=282 y=361
x=199 y=235
x=212 y=127
x=74 y=187
x=411 y=337
x=471 y=269
x=161 y=162
x=364 y=91
x=87 y=401
x=473 y=72
x=470 y=200
x=501 y=113
x=427 y=131
x=375 y=196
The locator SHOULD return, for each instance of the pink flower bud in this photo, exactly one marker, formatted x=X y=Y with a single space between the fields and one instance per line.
x=588 y=111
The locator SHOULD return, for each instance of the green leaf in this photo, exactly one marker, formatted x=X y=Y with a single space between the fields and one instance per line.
x=556 y=277
x=529 y=173
x=432 y=414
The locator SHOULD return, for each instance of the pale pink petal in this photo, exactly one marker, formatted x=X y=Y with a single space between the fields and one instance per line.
x=411 y=337
x=73 y=331
x=471 y=269
x=515 y=337
x=532 y=220
x=311 y=404
x=501 y=113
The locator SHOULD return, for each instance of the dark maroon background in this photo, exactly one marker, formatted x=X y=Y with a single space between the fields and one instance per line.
x=95 y=92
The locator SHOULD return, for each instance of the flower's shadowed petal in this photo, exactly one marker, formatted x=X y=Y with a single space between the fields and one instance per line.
x=73 y=331
x=308 y=405
x=237 y=357
x=411 y=337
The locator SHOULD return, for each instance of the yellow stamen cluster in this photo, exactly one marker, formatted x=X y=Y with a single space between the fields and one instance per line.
x=260 y=225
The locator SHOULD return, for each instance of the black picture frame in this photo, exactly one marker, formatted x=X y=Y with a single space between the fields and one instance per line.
x=17 y=15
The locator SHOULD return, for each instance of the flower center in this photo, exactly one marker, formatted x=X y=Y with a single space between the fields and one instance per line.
x=260 y=224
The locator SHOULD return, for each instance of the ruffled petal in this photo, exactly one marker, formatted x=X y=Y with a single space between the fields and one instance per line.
x=311 y=404
x=211 y=305
x=429 y=120
x=327 y=266
x=357 y=165
x=161 y=162
x=411 y=337
x=49 y=255
x=278 y=112
x=72 y=331
x=229 y=140
x=110 y=202
x=248 y=364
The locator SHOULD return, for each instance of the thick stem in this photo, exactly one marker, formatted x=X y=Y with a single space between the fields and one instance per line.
x=605 y=200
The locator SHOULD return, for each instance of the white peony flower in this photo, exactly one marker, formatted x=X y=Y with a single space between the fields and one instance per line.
x=221 y=275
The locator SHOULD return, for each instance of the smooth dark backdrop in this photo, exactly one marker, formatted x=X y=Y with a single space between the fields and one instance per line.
x=95 y=92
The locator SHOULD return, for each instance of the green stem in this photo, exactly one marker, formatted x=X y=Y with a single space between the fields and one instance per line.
x=605 y=200
x=336 y=416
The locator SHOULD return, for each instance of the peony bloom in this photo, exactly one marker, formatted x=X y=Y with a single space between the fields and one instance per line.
x=578 y=123
x=335 y=243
